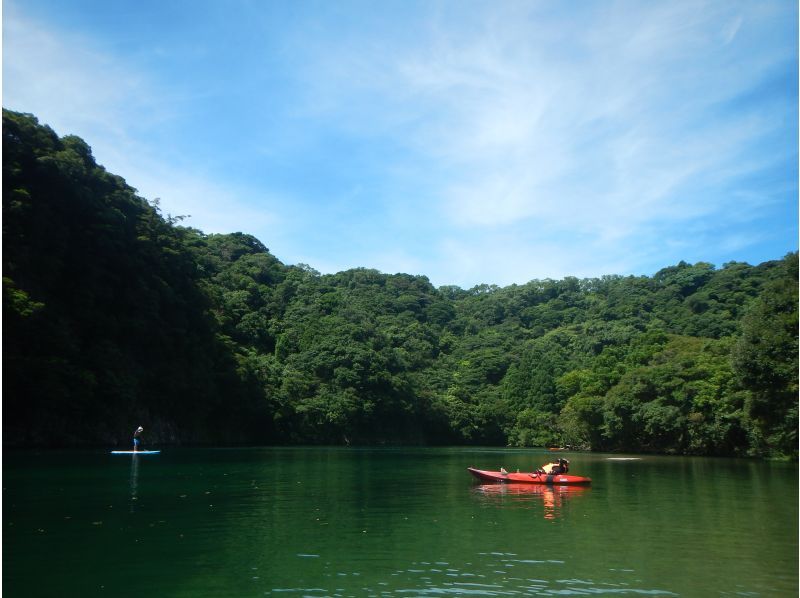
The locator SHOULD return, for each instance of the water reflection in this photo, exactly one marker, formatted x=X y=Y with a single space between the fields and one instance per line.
x=134 y=481
x=552 y=498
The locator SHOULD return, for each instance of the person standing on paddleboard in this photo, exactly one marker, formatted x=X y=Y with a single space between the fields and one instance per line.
x=137 y=440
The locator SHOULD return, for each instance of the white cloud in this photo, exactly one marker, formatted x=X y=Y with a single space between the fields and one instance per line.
x=71 y=84
x=609 y=144
x=730 y=30
x=500 y=258
x=210 y=205
x=74 y=86
x=611 y=128
x=505 y=142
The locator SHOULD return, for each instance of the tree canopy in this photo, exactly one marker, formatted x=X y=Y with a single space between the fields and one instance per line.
x=116 y=315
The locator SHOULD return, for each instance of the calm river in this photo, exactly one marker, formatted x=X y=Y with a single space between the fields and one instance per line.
x=381 y=522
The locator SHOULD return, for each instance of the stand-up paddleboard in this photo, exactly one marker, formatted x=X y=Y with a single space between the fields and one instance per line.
x=135 y=452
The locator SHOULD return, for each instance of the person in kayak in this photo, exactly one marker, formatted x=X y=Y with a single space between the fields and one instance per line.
x=137 y=438
x=558 y=467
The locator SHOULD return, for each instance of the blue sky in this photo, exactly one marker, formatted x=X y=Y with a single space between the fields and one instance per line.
x=472 y=142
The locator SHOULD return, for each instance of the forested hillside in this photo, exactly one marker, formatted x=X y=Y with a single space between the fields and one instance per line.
x=116 y=315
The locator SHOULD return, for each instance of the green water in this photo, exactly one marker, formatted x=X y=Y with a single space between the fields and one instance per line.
x=380 y=522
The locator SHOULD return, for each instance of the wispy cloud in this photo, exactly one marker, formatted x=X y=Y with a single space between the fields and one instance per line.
x=77 y=87
x=609 y=125
x=71 y=84
x=470 y=141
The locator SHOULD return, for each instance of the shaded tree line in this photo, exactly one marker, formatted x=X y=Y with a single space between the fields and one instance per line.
x=115 y=314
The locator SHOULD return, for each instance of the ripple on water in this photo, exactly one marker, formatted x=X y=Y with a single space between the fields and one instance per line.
x=426 y=578
x=519 y=576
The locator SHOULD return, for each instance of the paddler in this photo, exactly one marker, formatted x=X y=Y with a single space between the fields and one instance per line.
x=137 y=438
x=558 y=467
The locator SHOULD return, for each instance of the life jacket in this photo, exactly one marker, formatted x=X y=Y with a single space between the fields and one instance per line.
x=555 y=468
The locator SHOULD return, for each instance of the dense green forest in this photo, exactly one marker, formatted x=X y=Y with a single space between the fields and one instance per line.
x=117 y=315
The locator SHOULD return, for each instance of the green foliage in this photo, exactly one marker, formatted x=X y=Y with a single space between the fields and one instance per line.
x=765 y=358
x=115 y=315
x=535 y=428
x=105 y=324
x=532 y=381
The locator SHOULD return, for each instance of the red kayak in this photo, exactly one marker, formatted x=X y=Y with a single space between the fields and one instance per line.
x=528 y=478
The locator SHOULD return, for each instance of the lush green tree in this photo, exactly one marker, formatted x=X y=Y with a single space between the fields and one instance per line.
x=766 y=360
x=116 y=315
x=106 y=325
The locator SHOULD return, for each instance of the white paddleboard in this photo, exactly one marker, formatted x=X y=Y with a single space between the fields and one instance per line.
x=135 y=452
